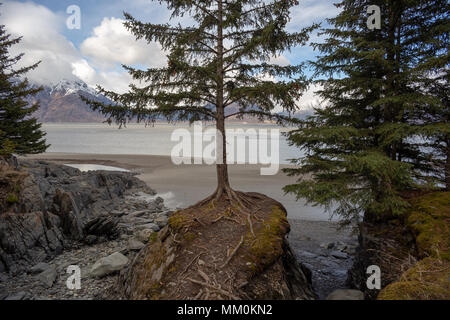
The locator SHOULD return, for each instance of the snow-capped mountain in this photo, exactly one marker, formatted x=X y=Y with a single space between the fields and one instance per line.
x=61 y=102
x=68 y=87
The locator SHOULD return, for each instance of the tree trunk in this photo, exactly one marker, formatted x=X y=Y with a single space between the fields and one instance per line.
x=447 y=167
x=222 y=169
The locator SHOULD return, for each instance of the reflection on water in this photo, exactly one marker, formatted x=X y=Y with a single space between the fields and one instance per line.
x=93 y=167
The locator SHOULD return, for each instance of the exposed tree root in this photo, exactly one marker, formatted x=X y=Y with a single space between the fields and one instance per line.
x=214 y=288
x=243 y=202
x=233 y=252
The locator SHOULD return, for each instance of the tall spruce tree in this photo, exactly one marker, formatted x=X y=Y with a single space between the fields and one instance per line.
x=19 y=132
x=212 y=65
x=370 y=140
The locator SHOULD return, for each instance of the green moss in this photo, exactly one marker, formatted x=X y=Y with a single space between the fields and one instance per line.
x=429 y=219
x=178 y=221
x=189 y=236
x=267 y=246
x=427 y=280
x=11 y=198
x=153 y=237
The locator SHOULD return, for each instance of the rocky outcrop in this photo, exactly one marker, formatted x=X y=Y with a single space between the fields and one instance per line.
x=389 y=246
x=51 y=206
x=215 y=252
x=411 y=251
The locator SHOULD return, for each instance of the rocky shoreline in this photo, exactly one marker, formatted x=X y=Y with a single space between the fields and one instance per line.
x=99 y=221
x=67 y=217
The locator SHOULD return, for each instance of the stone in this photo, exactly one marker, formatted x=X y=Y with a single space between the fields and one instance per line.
x=150 y=226
x=137 y=214
x=327 y=245
x=135 y=245
x=346 y=294
x=307 y=254
x=58 y=205
x=340 y=246
x=107 y=265
x=48 y=276
x=38 y=268
x=339 y=255
x=17 y=296
x=3 y=277
x=144 y=235
x=161 y=221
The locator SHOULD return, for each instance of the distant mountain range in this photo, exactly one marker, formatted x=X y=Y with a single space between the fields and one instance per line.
x=61 y=103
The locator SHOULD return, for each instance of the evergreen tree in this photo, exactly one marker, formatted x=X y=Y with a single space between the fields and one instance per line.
x=369 y=142
x=212 y=65
x=19 y=132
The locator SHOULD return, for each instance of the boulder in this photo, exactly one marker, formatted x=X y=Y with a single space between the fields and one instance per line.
x=17 y=296
x=196 y=250
x=38 y=268
x=107 y=265
x=135 y=245
x=48 y=276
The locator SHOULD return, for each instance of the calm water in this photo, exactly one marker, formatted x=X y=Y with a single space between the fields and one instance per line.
x=138 y=139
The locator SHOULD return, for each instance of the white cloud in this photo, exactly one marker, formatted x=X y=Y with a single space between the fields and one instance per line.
x=311 y=11
x=112 y=43
x=43 y=41
x=280 y=60
x=40 y=29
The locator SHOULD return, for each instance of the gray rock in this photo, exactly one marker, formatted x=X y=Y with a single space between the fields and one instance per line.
x=339 y=255
x=48 y=276
x=135 y=245
x=59 y=204
x=110 y=264
x=138 y=213
x=307 y=254
x=150 y=226
x=3 y=277
x=144 y=235
x=39 y=268
x=327 y=245
x=17 y=296
x=346 y=294
x=340 y=246
x=161 y=221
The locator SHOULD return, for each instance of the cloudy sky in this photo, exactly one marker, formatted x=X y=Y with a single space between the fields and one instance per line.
x=95 y=52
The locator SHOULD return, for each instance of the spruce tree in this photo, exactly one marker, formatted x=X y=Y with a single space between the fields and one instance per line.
x=215 y=63
x=19 y=131
x=368 y=141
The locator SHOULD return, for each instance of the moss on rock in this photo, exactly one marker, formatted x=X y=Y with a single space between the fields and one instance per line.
x=427 y=280
x=429 y=219
x=266 y=245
